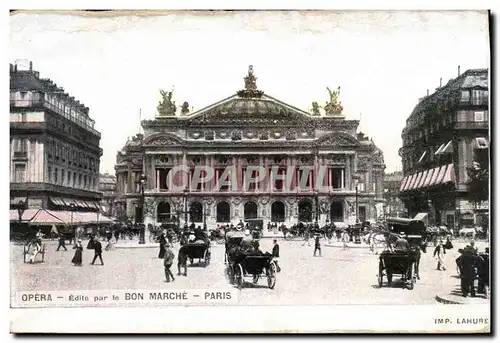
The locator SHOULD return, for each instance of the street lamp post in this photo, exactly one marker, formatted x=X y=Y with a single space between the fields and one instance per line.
x=204 y=216
x=142 y=233
x=316 y=204
x=72 y=209
x=185 y=207
x=357 y=207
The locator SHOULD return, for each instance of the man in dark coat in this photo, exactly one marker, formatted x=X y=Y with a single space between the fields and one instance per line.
x=117 y=235
x=317 y=245
x=97 y=251
x=467 y=263
x=163 y=242
x=62 y=242
x=483 y=272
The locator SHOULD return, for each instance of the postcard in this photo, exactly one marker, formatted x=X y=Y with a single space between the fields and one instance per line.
x=249 y=171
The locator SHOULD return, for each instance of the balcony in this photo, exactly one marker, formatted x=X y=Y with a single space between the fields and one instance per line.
x=51 y=107
x=471 y=125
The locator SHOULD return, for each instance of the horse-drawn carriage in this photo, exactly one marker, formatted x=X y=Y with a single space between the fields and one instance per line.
x=242 y=262
x=402 y=259
x=199 y=250
x=255 y=226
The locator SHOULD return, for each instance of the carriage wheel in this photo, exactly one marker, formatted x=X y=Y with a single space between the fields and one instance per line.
x=271 y=277
x=288 y=236
x=239 y=276
x=412 y=276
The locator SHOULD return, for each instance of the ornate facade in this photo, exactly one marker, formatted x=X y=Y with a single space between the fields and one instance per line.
x=249 y=129
x=444 y=135
x=54 y=147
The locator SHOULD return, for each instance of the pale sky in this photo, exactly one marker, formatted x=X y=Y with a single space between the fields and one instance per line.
x=383 y=61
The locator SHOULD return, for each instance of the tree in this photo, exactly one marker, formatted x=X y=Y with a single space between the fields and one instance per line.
x=478 y=183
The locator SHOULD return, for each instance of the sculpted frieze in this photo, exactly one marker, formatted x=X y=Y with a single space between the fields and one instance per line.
x=163 y=141
x=209 y=135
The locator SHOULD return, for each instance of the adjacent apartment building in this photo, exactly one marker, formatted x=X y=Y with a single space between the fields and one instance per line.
x=446 y=132
x=54 y=148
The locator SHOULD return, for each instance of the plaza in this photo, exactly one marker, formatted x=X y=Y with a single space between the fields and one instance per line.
x=338 y=277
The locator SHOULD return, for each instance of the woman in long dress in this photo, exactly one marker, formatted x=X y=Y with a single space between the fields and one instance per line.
x=77 y=259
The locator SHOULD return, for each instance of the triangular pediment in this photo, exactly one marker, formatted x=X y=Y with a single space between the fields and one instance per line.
x=338 y=139
x=238 y=110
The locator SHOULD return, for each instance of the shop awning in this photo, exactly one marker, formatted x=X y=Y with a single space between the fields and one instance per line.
x=430 y=177
x=422 y=179
x=422 y=157
x=69 y=202
x=57 y=201
x=481 y=143
x=403 y=183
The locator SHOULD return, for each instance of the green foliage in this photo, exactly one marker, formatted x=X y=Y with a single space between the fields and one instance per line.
x=478 y=183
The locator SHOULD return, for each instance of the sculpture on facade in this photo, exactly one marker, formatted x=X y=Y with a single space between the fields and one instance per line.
x=334 y=107
x=185 y=108
x=166 y=107
x=315 y=109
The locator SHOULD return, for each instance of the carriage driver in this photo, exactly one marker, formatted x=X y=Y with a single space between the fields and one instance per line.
x=401 y=243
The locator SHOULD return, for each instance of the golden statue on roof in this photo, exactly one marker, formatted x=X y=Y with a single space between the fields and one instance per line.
x=334 y=107
x=166 y=106
x=250 y=79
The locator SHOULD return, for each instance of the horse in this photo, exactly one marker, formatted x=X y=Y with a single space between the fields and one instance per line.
x=465 y=232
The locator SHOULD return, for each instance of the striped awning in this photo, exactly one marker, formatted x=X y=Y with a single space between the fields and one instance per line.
x=57 y=201
x=481 y=143
x=427 y=178
x=403 y=183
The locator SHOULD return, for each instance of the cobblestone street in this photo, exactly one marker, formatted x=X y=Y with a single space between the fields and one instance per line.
x=338 y=277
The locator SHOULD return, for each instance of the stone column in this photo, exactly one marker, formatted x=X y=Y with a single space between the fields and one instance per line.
x=342 y=178
x=184 y=175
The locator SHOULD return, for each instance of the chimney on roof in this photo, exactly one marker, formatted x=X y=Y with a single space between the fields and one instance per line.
x=427 y=92
x=440 y=82
x=31 y=65
x=458 y=70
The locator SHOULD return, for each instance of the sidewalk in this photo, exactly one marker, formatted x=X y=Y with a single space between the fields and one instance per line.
x=350 y=245
x=455 y=297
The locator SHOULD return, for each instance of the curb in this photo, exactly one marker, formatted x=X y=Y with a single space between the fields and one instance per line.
x=444 y=300
x=352 y=246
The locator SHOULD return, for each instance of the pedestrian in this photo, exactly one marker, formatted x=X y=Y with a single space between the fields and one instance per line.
x=306 y=238
x=62 y=243
x=168 y=260
x=317 y=245
x=117 y=235
x=77 y=258
x=163 y=242
x=345 y=239
x=439 y=253
x=276 y=254
x=97 y=251
x=466 y=262
x=182 y=260
x=35 y=247
x=483 y=273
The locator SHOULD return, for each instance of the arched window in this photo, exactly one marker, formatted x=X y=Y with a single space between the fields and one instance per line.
x=250 y=210
x=305 y=211
x=337 y=211
x=196 y=212
x=278 y=212
x=163 y=212
x=223 y=212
